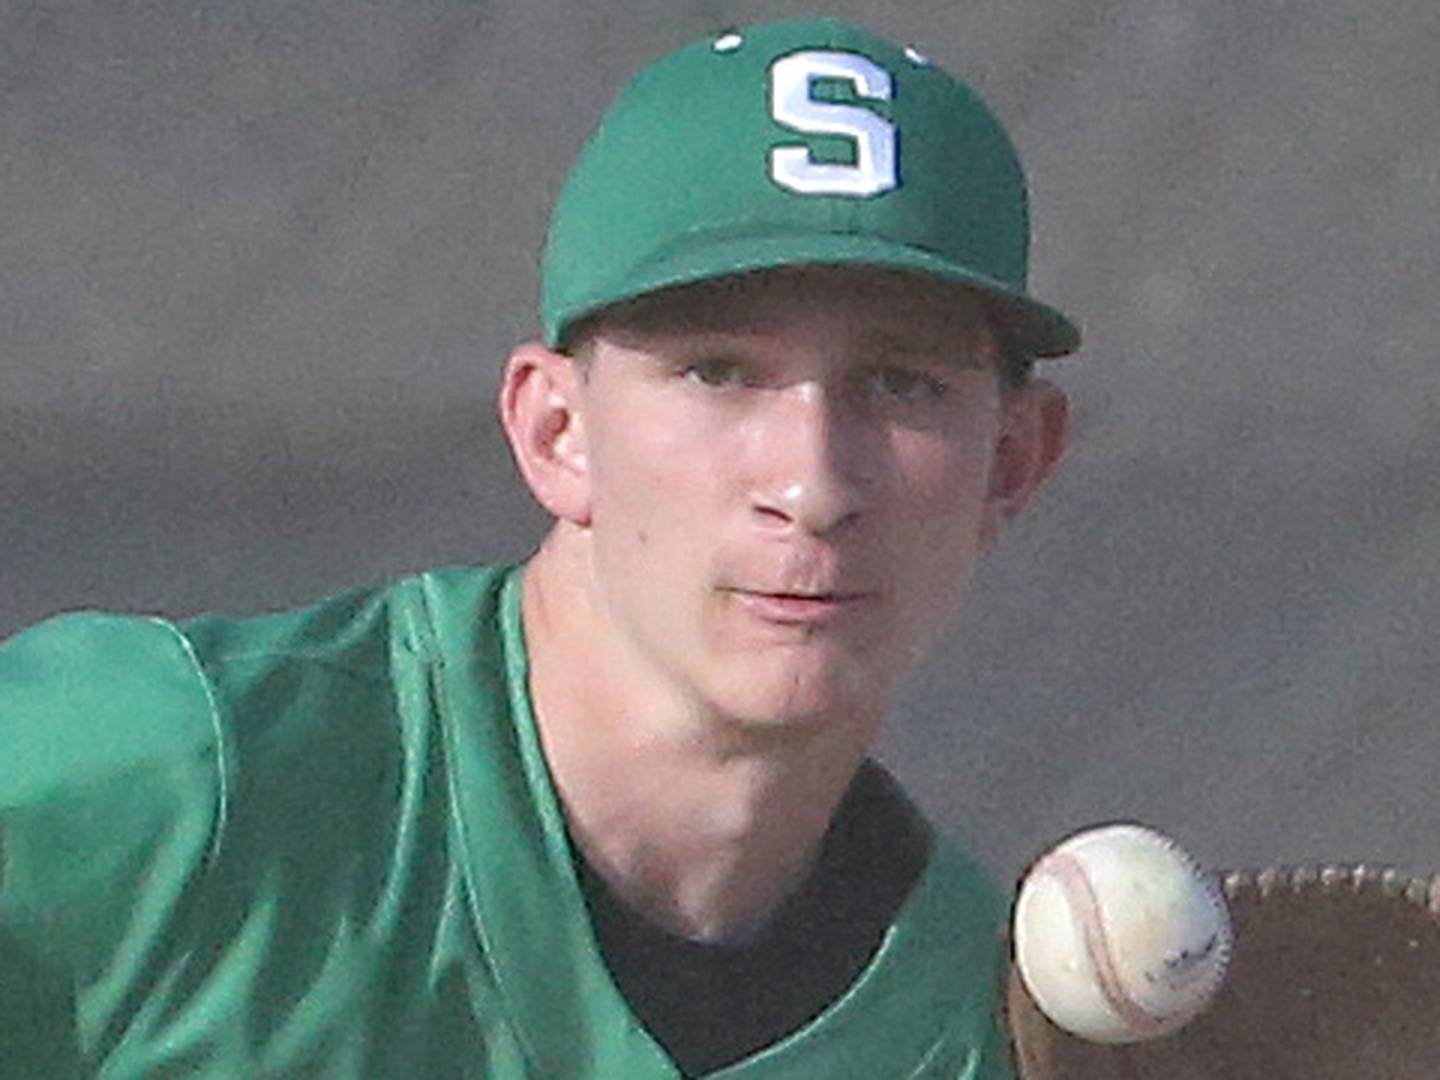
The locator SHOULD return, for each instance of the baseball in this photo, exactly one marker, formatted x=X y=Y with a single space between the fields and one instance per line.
x=1118 y=936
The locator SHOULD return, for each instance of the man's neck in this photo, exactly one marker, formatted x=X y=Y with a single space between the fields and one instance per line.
x=701 y=830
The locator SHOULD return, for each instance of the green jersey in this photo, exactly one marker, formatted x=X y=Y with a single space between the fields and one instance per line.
x=326 y=843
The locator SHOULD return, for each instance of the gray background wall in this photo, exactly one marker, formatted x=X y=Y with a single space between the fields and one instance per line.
x=260 y=261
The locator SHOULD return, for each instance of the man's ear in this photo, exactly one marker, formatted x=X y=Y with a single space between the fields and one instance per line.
x=540 y=398
x=1035 y=431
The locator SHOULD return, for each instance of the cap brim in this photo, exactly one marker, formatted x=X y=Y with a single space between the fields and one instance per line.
x=1038 y=329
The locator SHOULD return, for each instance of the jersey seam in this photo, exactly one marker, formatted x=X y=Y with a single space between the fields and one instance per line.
x=437 y=672
x=222 y=760
x=283 y=654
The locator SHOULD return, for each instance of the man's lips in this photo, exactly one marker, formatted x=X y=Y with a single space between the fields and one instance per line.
x=799 y=607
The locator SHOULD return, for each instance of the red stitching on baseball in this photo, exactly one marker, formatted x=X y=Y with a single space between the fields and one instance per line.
x=1067 y=871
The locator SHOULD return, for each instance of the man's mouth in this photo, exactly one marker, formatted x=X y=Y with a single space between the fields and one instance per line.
x=799 y=607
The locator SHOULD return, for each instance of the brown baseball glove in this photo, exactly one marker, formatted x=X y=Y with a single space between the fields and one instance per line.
x=1335 y=973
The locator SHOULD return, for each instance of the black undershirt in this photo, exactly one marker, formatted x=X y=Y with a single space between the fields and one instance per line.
x=710 y=1005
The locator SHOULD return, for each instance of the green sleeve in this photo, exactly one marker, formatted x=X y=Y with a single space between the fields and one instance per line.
x=111 y=798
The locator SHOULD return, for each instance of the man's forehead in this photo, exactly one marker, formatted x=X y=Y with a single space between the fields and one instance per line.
x=755 y=302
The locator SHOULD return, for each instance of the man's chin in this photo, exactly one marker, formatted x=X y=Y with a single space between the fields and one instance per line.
x=801 y=703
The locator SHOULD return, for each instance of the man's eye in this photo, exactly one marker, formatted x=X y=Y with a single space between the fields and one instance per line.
x=715 y=371
x=906 y=384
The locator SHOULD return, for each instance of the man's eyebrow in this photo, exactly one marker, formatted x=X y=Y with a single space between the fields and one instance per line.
x=965 y=345
x=968 y=348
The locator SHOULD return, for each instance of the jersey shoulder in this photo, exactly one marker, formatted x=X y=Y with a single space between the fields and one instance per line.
x=123 y=732
x=86 y=697
x=91 y=696
x=334 y=697
x=109 y=784
x=217 y=796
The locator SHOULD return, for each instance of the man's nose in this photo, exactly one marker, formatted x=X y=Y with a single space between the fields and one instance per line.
x=808 y=461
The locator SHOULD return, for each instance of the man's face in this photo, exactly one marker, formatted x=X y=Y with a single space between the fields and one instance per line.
x=790 y=479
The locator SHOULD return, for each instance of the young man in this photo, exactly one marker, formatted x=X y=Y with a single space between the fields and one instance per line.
x=608 y=814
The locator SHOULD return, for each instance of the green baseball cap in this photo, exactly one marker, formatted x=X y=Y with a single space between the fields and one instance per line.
x=791 y=143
